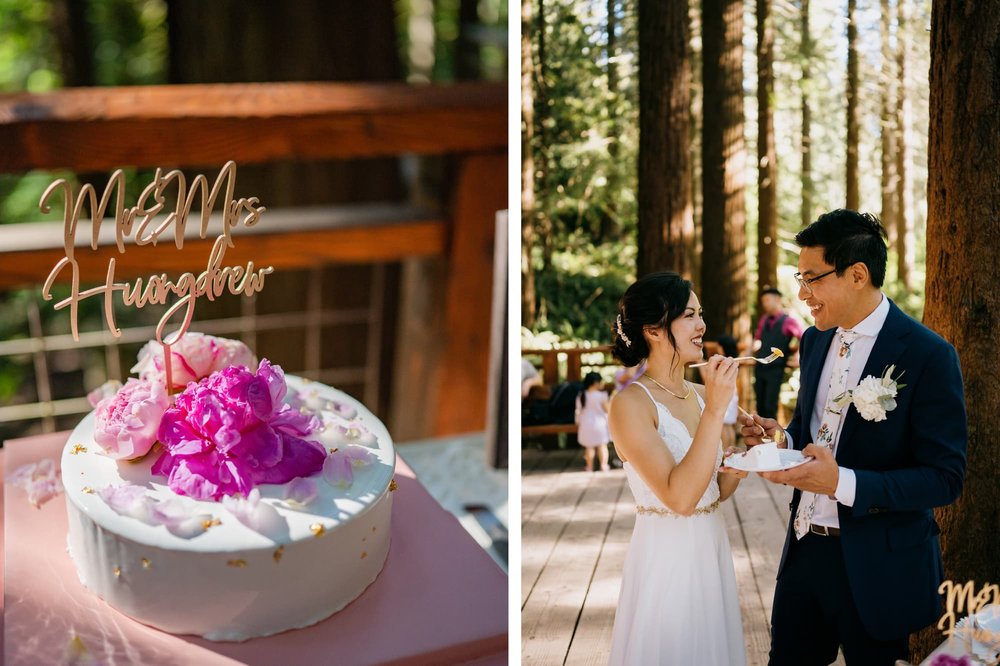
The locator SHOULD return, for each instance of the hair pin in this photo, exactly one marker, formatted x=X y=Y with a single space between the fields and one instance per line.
x=621 y=333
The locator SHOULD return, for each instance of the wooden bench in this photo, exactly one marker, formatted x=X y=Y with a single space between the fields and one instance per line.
x=204 y=126
x=549 y=429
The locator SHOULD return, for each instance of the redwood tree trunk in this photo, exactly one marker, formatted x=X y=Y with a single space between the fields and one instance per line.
x=609 y=221
x=724 y=269
x=665 y=225
x=904 y=197
x=853 y=198
x=806 y=54
x=963 y=296
x=888 y=131
x=767 y=165
x=527 y=169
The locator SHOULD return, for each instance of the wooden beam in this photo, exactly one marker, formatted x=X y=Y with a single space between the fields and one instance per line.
x=93 y=129
x=297 y=238
x=481 y=191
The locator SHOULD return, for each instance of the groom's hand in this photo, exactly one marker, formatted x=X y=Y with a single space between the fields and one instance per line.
x=820 y=475
x=755 y=428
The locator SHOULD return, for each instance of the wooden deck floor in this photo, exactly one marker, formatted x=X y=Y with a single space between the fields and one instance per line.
x=575 y=529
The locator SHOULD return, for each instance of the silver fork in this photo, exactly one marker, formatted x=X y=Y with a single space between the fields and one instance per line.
x=770 y=358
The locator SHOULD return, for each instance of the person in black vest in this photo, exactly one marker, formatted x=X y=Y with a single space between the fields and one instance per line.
x=775 y=329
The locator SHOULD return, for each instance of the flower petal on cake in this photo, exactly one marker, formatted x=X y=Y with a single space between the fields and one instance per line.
x=338 y=469
x=255 y=513
x=181 y=519
x=338 y=432
x=128 y=500
x=301 y=491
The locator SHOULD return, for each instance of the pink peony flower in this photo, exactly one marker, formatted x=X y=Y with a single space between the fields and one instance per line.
x=194 y=357
x=126 y=422
x=231 y=432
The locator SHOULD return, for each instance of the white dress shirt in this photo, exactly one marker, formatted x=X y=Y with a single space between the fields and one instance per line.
x=867 y=330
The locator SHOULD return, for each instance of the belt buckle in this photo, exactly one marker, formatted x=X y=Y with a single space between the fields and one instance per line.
x=821 y=530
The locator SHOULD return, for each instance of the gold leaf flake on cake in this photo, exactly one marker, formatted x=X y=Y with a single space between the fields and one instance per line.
x=239 y=564
x=373 y=528
x=146 y=564
x=317 y=529
x=392 y=486
x=88 y=490
x=117 y=572
x=77 y=449
x=364 y=554
x=210 y=522
x=278 y=553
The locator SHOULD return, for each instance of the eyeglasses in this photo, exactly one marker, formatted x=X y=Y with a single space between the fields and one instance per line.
x=806 y=283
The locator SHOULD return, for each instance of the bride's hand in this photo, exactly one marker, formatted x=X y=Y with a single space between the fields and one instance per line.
x=731 y=451
x=720 y=382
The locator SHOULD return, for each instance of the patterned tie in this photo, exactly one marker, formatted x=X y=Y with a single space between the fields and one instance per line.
x=829 y=426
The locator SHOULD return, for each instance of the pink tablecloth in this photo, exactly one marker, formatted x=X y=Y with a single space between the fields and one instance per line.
x=440 y=598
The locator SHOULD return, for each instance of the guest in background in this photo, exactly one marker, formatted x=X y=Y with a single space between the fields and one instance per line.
x=529 y=377
x=774 y=329
x=626 y=376
x=592 y=419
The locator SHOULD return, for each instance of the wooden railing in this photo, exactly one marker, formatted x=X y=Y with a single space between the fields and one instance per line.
x=440 y=378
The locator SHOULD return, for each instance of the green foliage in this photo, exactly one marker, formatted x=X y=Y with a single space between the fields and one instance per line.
x=580 y=188
x=579 y=294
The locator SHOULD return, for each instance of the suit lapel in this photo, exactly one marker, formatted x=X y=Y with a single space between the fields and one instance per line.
x=810 y=382
x=888 y=348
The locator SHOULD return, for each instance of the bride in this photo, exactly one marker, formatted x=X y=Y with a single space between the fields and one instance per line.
x=678 y=602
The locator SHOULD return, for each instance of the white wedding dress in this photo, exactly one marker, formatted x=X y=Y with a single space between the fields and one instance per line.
x=678 y=602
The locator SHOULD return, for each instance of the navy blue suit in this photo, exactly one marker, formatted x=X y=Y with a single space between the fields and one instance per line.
x=905 y=466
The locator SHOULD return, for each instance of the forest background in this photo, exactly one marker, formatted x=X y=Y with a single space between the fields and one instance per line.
x=700 y=136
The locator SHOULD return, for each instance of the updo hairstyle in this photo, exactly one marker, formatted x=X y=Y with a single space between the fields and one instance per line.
x=655 y=300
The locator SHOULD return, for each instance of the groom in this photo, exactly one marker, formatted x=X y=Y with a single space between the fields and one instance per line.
x=861 y=563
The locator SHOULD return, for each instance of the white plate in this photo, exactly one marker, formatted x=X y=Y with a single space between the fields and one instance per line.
x=789 y=458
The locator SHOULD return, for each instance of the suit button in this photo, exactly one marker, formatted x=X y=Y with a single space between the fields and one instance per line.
x=791 y=506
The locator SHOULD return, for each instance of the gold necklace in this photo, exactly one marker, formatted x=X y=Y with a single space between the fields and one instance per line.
x=681 y=397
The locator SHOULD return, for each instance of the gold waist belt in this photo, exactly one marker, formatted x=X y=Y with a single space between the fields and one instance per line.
x=661 y=511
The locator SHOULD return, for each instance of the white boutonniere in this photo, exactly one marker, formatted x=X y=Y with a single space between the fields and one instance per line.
x=874 y=396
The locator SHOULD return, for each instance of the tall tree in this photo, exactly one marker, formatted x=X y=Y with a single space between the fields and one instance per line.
x=888 y=124
x=609 y=221
x=665 y=225
x=767 y=163
x=805 y=53
x=527 y=169
x=467 y=60
x=904 y=196
x=724 y=276
x=963 y=296
x=853 y=197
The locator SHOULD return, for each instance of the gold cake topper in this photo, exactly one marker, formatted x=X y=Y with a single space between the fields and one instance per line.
x=141 y=219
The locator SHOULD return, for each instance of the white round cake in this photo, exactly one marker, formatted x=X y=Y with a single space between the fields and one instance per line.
x=220 y=575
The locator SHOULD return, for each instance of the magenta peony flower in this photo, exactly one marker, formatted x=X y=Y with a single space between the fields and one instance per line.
x=195 y=356
x=231 y=432
x=126 y=422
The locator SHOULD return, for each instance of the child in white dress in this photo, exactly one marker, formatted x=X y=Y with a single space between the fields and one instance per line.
x=592 y=419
